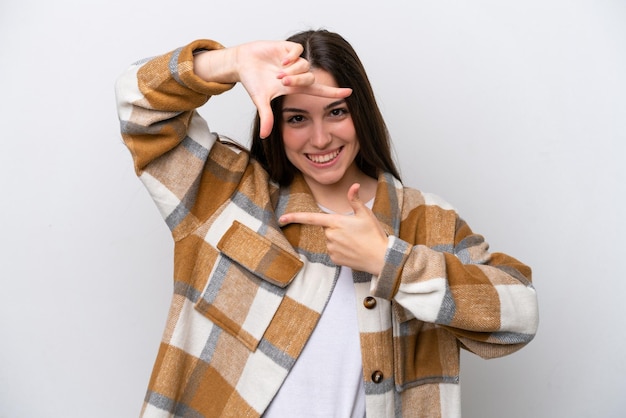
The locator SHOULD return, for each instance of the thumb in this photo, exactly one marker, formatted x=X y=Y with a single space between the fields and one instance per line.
x=266 y=117
x=267 y=123
x=354 y=198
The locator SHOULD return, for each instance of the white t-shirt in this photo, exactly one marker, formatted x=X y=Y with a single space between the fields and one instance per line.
x=327 y=379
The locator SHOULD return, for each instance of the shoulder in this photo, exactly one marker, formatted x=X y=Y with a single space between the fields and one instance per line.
x=427 y=219
x=409 y=199
x=414 y=198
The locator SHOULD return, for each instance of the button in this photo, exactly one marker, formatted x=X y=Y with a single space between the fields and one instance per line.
x=369 y=302
x=377 y=376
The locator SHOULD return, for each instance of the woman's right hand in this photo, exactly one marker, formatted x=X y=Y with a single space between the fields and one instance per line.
x=266 y=69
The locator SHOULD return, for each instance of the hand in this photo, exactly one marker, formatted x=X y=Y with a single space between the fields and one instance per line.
x=268 y=69
x=357 y=241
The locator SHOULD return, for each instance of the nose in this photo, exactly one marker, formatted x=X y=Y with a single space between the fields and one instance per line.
x=320 y=136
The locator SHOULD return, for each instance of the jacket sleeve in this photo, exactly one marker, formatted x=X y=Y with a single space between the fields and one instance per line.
x=485 y=299
x=168 y=140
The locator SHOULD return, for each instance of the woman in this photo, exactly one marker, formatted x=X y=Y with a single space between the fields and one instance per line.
x=308 y=280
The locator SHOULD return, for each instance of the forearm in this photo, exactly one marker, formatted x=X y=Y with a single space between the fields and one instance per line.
x=156 y=98
x=217 y=65
x=169 y=82
x=478 y=296
x=170 y=143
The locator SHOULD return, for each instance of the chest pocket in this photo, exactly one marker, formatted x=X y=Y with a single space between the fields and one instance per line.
x=247 y=284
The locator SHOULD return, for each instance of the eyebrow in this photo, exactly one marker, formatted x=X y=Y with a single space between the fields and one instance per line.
x=327 y=107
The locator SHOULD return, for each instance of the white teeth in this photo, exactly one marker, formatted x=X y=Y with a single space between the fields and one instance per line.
x=323 y=158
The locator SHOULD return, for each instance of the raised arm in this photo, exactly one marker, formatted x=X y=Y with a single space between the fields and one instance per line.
x=169 y=87
x=169 y=141
x=156 y=99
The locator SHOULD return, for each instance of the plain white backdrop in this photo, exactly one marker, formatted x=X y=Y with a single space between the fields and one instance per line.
x=514 y=111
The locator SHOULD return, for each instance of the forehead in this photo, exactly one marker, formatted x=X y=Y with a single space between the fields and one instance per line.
x=324 y=77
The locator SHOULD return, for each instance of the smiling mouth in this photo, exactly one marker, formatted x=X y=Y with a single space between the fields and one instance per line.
x=324 y=158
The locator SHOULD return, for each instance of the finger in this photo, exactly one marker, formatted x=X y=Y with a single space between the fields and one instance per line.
x=300 y=66
x=322 y=90
x=265 y=116
x=354 y=198
x=294 y=50
x=307 y=218
x=303 y=79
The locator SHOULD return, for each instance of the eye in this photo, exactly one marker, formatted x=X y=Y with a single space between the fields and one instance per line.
x=294 y=119
x=339 y=112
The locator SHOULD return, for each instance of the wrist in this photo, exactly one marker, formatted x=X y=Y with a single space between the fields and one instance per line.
x=386 y=284
x=378 y=259
x=218 y=65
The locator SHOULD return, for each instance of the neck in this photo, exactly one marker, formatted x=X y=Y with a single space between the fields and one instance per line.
x=335 y=196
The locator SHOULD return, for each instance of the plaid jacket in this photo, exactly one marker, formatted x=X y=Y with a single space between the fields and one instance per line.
x=248 y=293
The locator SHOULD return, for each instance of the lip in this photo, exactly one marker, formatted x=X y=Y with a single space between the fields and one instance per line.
x=326 y=158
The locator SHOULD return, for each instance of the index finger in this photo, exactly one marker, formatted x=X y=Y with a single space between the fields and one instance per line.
x=307 y=218
x=304 y=83
x=317 y=89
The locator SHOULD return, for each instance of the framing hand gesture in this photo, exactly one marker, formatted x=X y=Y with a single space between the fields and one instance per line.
x=266 y=69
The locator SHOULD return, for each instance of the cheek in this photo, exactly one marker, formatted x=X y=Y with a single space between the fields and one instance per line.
x=348 y=133
x=293 y=139
x=291 y=143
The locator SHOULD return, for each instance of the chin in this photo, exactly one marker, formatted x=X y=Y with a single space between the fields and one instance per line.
x=327 y=180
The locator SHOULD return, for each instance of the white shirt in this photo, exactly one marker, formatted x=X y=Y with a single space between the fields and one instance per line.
x=327 y=379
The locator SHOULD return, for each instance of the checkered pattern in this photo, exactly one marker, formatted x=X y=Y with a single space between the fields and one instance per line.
x=247 y=294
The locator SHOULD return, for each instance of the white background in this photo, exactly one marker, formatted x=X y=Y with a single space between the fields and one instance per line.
x=515 y=112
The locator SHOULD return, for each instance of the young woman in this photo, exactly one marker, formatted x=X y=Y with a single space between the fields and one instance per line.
x=308 y=280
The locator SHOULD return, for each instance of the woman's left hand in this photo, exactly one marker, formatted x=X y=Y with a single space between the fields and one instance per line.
x=357 y=241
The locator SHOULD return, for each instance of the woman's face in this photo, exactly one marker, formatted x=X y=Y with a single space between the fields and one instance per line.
x=319 y=136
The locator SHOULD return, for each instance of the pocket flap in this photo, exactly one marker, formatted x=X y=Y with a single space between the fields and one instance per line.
x=259 y=255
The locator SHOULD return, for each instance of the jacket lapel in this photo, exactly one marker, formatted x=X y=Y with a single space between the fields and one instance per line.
x=297 y=197
x=388 y=203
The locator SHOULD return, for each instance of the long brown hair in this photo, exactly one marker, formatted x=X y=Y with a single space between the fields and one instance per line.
x=330 y=52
